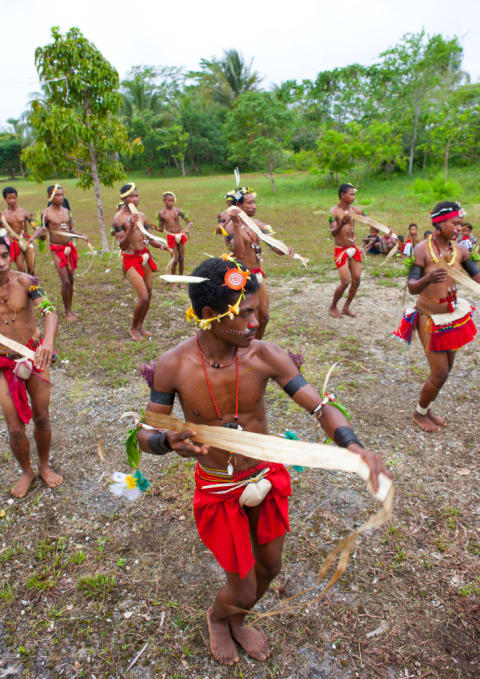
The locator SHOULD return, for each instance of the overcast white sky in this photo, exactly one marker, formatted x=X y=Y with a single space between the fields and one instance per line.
x=292 y=39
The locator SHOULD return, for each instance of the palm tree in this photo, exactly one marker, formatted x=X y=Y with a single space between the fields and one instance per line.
x=226 y=79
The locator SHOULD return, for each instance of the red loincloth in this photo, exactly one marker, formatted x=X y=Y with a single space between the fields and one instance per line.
x=135 y=260
x=341 y=255
x=14 y=250
x=72 y=260
x=445 y=337
x=223 y=524
x=261 y=271
x=172 y=242
x=16 y=386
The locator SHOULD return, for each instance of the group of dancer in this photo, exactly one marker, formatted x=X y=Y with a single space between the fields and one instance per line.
x=220 y=375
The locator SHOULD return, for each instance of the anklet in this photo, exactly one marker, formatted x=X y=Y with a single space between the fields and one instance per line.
x=420 y=410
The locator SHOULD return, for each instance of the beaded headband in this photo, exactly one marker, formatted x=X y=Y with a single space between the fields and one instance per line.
x=446 y=213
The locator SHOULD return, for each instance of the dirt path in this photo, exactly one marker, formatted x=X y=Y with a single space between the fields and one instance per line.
x=88 y=580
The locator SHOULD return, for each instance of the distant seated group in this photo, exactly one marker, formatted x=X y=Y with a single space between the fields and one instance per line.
x=381 y=244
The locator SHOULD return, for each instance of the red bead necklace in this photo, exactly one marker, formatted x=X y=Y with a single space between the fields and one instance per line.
x=212 y=396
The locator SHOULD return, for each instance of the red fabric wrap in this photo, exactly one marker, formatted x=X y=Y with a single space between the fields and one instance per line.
x=16 y=386
x=223 y=524
x=172 y=242
x=72 y=259
x=14 y=250
x=136 y=260
x=453 y=336
x=341 y=255
x=445 y=217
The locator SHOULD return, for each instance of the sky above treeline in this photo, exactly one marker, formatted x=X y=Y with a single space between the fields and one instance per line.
x=288 y=40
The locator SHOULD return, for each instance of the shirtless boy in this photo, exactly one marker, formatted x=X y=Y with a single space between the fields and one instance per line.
x=348 y=258
x=137 y=260
x=169 y=221
x=246 y=247
x=58 y=222
x=444 y=323
x=19 y=296
x=220 y=377
x=18 y=218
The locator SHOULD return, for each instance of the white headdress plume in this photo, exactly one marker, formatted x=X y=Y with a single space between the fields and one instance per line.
x=236 y=174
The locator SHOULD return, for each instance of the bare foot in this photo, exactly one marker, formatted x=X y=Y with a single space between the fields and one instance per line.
x=48 y=475
x=346 y=312
x=251 y=640
x=333 y=311
x=23 y=484
x=146 y=333
x=222 y=645
x=135 y=334
x=70 y=316
x=425 y=423
x=441 y=421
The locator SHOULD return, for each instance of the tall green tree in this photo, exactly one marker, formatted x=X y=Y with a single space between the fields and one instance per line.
x=407 y=79
x=76 y=124
x=225 y=79
x=257 y=132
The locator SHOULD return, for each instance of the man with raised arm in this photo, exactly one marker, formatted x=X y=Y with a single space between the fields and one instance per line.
x=444 y=323
x=58 y=222
x=19 y=379
x=18 y=219
x=220 y=377
x=348 y=258
x=138 y=263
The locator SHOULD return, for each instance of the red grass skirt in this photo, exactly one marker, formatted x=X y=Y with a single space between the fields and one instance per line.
x=446 y=337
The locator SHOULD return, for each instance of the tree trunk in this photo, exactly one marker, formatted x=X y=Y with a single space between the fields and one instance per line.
x=445 y=160
x=98 y=197
x=272 y=180
x=182 y=165
x=413 y=143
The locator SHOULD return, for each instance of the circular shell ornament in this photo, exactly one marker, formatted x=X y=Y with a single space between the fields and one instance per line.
x=235 y=278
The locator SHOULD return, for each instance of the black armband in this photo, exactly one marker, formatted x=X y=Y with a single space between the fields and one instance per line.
x=162 y=398
x=471 y=267
x=294 y=385
x=415 y=273
x=34 y=292
x=343 y=436
x=158 y=443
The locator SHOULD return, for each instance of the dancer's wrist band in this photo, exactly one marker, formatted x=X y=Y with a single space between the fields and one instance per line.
x=158 y=443
x=344 y=436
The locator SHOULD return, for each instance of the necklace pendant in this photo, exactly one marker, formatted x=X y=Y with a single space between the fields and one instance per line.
x=230 y=469
x=215 y=365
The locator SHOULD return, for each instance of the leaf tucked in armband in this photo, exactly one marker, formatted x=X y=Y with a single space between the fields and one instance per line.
x=132 y=447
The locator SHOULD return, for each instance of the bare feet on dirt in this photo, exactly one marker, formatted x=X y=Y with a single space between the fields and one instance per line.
x=52 y=479
x=347 y=312
x=333 y=311
x=253 y=642
x=441 y=421
x=135 y=334
x=146 y=333
x=222 y=645
x=425 y=423
x=71 y=316
x=23 y=484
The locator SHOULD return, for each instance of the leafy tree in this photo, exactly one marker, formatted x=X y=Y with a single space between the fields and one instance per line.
x=10 y=150
x=150 y=88
x=224 y=80
x=257 y=131
x=203 y=120
x=76 y=125
x=407 y=78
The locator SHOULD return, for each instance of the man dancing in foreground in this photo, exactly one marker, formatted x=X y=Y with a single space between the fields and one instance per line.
x=18 y=218
x=348 y=258
x=57 y=220
x=19 y=296
x=444 y=323
x=138 y=263
x=220 y=377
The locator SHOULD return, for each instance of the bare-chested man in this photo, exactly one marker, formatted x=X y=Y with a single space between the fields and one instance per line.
x=137 y=261
x=19 y=296
x=18 y=220
x=58 y=222
x=247 y=249
x=169 y=221
x=348 y=258
x=444 y=323
x=220 y=377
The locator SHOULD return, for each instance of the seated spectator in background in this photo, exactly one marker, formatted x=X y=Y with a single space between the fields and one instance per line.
x=426 y=234
x=387 y=242
x=466 y=237
x=371 y=244
x=411 y=241
x=401 y=243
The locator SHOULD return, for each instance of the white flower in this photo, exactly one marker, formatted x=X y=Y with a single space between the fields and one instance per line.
x=124 y=485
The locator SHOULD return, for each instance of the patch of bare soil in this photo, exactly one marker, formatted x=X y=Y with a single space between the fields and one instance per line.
x=93 y=586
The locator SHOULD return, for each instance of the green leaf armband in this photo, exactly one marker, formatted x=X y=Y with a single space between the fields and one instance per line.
x=47 y=307
x=133 y=449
